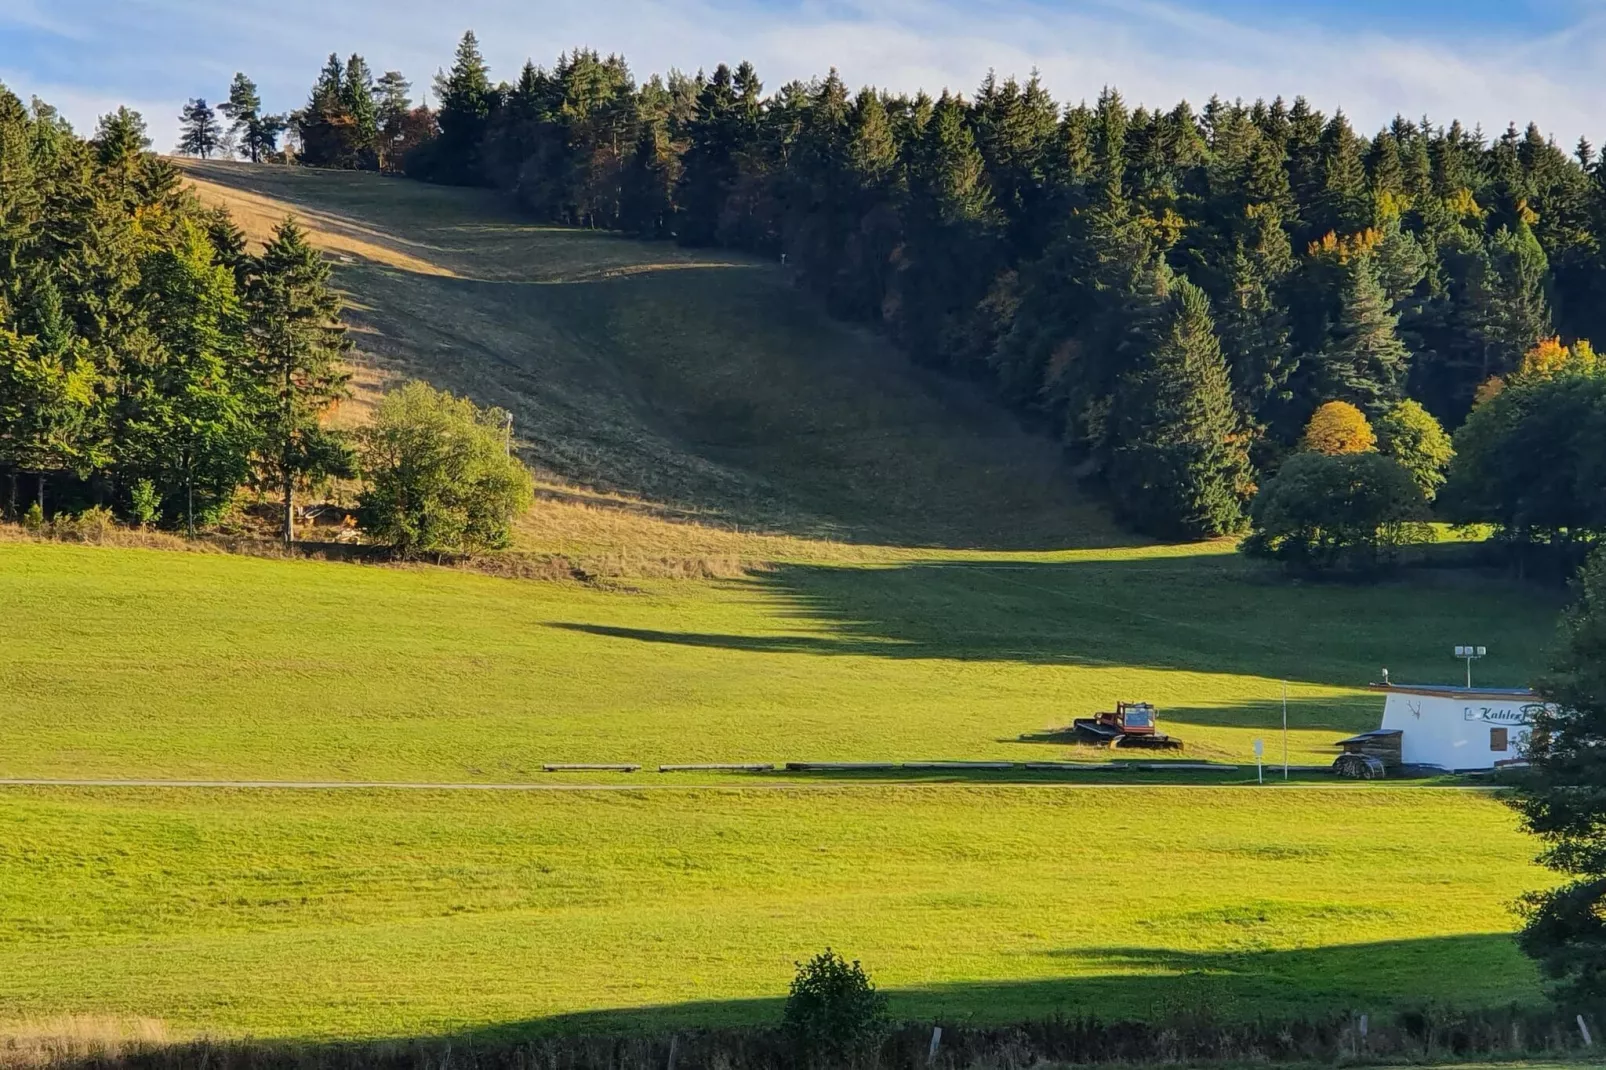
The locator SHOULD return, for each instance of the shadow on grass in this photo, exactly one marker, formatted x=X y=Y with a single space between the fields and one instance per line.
x=1156 y=985
x=1209 y=613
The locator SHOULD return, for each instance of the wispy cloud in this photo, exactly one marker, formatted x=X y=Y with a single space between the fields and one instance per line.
x=82 y=52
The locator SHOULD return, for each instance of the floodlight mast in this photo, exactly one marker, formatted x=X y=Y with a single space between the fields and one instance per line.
x=1469 y=654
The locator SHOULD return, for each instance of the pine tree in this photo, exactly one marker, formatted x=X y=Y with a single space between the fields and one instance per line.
x=200 y=133
x=1364 y=361
x=465 y=95
x=1180 y=465
x=297 y=346
x=357 y=99
x=392 y=105
x=258 y=134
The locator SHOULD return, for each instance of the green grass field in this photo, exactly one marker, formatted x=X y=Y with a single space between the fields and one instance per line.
x=128 y=663
x=386 y=914
x=688 y=410
x=308 y=914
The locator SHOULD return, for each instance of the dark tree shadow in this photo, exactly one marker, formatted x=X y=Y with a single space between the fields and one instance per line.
x=1208 y=613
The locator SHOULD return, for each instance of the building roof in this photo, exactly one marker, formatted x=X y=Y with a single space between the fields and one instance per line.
x=1455 y=690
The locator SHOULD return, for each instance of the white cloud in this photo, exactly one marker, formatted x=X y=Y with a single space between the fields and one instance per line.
x=1155 y=51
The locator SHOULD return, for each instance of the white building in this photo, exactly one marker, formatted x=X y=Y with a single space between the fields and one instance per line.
x=1459 y=728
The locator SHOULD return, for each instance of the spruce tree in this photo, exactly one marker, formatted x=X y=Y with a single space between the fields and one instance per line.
x=357 y=98
x=464 y=94
x=1180 y=465
x=121 y=137
x=200 y=132
x=1563 y=800
x=296 y=348
x=1364 y=362
x=326 y=128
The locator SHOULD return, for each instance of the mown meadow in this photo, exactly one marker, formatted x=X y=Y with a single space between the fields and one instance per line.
x=364 y=913
x=130 y=663
x=395 y=914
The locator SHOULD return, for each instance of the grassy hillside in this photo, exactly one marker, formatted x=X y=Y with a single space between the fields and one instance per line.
x=404 y=914
x=144 y=663
x=374 y=913
x=931 y=589
x=694 y=379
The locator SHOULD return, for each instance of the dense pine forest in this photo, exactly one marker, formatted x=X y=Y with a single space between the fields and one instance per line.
x=1173 y=292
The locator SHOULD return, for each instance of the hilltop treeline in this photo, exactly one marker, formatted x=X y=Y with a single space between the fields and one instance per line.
x=1174 y=291
x=144 y=354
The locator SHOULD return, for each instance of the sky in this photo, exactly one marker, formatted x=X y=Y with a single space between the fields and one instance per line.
x=1483 y=61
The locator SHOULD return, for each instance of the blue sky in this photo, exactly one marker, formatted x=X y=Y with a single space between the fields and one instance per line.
x=1484 y=61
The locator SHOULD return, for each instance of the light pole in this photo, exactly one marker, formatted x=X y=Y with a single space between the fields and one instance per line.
x=1469 y=654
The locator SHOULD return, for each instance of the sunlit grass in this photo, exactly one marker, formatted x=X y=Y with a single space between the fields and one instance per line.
x=387 y=914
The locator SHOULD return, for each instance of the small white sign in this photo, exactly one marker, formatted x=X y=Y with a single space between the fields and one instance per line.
x=1260 y=748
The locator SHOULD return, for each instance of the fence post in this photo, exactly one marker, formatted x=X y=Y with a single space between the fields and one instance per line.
x=936 y=1041
x=674 y=1046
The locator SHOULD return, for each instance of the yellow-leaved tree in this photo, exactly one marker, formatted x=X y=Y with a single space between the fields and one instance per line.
x=1550 y=357
x=1339 y=427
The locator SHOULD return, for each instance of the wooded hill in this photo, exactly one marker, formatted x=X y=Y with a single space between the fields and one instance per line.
x=1172 y=291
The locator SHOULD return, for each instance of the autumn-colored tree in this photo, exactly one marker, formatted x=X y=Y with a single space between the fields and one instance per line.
x=1550 y=357
x=1338 y=427
x=1488 y=390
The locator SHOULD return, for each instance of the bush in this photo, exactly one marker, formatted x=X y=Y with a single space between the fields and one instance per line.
x=144 y=503
x=440 y=477
x=34 y=519
x=834 y=1015
x=92 y=525
x=1338 y=427
x=1325 y=511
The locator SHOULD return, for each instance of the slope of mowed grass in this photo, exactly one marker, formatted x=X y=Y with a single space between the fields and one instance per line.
x=697 y=378
x=390 y=914
x=143 y=663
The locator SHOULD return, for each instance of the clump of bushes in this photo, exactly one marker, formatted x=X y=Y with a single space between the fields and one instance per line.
x=834 y=1015
x=1341 y=505
x=441 y=475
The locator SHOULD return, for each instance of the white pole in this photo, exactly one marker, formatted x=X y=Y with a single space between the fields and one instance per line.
x=1285 y=729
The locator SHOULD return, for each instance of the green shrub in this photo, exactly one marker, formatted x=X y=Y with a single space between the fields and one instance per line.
x=34 y=519
x=145 y=503
x=440 y=476
x=834 y=1015
x=1351 y=510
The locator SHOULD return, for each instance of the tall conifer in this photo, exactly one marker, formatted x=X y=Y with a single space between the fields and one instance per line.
x=297 y=345
x=200 y=133
x=1180 y=466
x=1364 y=362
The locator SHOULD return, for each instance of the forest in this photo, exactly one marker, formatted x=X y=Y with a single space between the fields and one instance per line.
x=1171 y=293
